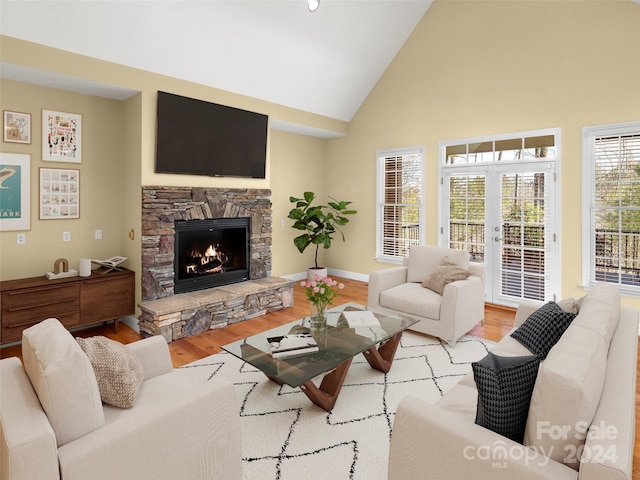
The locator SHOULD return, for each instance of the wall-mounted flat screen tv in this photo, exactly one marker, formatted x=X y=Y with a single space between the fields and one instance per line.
x=195 y=137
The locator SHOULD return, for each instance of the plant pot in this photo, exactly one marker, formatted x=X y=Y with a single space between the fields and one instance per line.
x=313 y=271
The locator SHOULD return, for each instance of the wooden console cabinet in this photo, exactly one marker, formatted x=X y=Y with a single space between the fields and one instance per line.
x=75 y=301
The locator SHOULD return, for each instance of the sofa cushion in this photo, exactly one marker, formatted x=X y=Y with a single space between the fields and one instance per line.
x=600 y=311
x=162 y=386
x=118 y=371
x=543 y=328
x=412 y=298
x=573 y=374
x=424 y=259
x=510 y=347
x=462 y=399
x=566 y=395
x=504 y=387
x=63 y=379
x=444 y=274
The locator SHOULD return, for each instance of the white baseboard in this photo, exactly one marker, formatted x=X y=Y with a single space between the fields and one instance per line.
x=131 y=321
x=350 y=275
x=331 y=271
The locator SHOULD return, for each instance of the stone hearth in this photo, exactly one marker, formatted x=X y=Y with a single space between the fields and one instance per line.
x=190 y=313
x=177 y=316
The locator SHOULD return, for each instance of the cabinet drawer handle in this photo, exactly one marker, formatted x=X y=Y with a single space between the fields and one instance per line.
x=31 y=322
x=98 y=280
x=37 y=289
x=29 y=307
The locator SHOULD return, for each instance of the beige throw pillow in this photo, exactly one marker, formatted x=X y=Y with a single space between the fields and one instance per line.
x=118 y=371
x=424 y=259
x=63 y=379
x=446 y=273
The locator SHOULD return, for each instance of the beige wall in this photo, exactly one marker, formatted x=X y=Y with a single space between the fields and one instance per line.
x=483 y=68
x=102 y=177
x=298 y=165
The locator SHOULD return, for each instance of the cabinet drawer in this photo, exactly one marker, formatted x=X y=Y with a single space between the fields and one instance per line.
x=106 y=298
x=14 y=322
x=46 y=294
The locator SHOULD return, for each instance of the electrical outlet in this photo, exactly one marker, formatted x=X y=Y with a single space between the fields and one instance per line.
x=66 y=236
x=98 y=235
x=21 y=239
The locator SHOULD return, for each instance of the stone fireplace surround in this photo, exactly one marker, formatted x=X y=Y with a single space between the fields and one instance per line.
x=178 y=316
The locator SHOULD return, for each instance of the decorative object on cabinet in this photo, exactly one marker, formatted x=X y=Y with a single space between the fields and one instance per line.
x=61 y=270
x=15 y=181
x=17 y=127
x=59 y=193
x=110 y=264
x=61 y=137
x=75 y=301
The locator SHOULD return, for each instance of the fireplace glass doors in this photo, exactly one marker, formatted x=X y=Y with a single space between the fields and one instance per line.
x=210 y=253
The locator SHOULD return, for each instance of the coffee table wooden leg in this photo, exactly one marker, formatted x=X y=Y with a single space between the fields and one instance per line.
x=326 y=395
x=381 y=358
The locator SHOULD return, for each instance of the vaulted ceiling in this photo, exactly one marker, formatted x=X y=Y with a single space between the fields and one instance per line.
x=325 y=62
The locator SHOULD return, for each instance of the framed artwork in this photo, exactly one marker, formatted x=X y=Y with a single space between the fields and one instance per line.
x=59 y=193
x=61 y=137
x=17 y=127
x=15 y=181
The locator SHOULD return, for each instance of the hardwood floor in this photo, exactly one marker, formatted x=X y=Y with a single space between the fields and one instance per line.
x=497 y=323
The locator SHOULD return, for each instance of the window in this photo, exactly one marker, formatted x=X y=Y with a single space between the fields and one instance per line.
x=611 y=191
x=399 y=216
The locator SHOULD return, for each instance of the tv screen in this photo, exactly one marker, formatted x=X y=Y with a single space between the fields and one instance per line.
x=202 y=138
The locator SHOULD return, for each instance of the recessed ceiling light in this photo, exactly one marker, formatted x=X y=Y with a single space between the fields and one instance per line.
x=313 y=5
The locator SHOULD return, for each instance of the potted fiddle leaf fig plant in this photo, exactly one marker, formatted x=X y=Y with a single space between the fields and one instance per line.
x=319 y=223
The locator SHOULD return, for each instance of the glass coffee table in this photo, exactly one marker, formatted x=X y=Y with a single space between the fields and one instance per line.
x=338 y=344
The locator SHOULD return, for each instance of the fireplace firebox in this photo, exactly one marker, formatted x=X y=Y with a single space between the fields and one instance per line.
x=210 y=253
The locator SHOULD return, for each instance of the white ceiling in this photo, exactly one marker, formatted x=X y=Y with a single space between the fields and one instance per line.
x=325 y=62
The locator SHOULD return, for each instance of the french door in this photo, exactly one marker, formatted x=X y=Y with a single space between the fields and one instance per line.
x=503 y=213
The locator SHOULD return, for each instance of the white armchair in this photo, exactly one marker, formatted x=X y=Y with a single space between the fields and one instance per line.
x=53 y=424
x=447 y=316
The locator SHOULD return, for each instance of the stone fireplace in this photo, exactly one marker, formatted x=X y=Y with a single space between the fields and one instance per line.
x=231 y=292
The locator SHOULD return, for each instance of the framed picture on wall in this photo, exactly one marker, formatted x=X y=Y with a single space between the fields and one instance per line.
x=17 y=127
x=59 y=193
x=61 y=137
x=15 y=181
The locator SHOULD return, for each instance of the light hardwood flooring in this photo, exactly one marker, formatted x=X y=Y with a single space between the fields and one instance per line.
x=497 y=323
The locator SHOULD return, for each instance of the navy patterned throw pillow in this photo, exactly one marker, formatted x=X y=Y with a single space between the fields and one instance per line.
x=544 y=327
x=505 y=385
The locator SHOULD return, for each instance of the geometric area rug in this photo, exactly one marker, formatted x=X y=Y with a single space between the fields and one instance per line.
x=286 y=437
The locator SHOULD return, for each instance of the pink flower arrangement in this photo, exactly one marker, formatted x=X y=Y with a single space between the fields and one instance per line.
x=321 y=291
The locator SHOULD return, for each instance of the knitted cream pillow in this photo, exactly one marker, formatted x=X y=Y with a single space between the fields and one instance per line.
x=118 y=371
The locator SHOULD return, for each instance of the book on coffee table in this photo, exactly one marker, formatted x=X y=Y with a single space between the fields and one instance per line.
x=293 y=344
x=358 y=319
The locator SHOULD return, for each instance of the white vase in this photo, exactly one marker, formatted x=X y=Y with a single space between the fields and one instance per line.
x=313 y=271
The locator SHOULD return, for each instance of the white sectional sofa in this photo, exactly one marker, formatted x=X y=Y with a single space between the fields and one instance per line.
x=587 y=379
x=53 y=424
